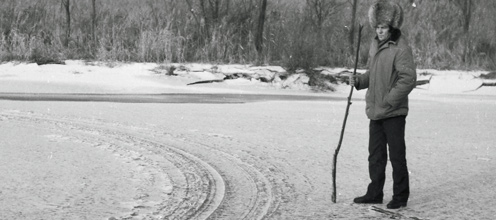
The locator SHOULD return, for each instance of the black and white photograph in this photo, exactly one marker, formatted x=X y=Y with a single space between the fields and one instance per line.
x=247 y=109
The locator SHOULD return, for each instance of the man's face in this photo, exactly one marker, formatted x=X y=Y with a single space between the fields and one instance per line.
x=382 y=31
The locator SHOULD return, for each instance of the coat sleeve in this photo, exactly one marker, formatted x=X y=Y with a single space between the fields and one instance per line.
x=362 y=81
x=407 y=77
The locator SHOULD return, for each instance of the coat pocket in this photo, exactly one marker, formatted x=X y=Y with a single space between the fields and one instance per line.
x=385 y=104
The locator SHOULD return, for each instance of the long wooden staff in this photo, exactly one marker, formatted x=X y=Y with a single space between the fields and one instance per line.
x=334 y=159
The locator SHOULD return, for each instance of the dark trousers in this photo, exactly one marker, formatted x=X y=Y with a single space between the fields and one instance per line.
x=388 y=132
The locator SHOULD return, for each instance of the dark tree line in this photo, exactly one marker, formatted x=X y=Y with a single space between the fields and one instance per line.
x=292 y=33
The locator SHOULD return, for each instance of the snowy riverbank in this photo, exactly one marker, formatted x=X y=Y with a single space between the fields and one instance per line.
x=82 y=77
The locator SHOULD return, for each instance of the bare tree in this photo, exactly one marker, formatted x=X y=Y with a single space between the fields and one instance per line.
x=93 y=21
x=351 y=35
x=66 y=4
x=192 y=11
x=208 y=13
x=466 y=7
x=215 y=10
x=321 y=10
x=260 y=28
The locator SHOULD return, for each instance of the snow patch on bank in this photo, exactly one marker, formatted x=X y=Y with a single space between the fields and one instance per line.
x=94 y=77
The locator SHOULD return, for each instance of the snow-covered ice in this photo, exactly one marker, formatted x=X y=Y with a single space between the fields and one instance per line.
x=105 y=160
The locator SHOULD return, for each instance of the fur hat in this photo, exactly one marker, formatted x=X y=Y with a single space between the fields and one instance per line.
x=386 y=12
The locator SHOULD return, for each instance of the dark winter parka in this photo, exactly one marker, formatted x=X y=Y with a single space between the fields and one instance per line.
x=390 y=78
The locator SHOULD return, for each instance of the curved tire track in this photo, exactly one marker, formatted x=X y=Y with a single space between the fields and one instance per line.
x=213 y=186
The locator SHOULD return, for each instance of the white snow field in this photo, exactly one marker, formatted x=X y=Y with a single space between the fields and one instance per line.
x=259 y=159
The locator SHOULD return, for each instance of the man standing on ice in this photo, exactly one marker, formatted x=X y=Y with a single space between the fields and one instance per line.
x=390 y=78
